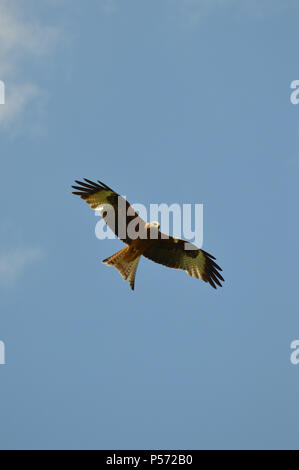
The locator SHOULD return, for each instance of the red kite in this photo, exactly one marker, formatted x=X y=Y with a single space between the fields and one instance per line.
x=154 y=245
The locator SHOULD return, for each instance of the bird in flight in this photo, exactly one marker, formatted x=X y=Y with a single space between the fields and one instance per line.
x=151 y=244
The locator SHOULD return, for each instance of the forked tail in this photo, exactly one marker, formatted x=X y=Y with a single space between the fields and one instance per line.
x=126 y=268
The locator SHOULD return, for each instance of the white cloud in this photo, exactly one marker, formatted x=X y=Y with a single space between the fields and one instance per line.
x=20 y=41
x=14 y=263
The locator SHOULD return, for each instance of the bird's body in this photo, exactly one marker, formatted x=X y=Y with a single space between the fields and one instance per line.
x=150 y=243
x=138 y=247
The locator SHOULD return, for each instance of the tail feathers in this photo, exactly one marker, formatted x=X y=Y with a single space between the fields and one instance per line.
x=126 y=268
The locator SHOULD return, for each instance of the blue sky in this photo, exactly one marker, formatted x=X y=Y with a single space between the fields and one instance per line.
x=165 y=101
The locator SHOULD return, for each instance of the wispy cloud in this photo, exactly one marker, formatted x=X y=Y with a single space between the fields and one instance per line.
x=109 y=6
x=19 y=96
x=194 y=11
x=14 y=263
x=20 y=41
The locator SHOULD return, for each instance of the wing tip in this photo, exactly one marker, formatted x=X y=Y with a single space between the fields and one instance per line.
x=88 y=186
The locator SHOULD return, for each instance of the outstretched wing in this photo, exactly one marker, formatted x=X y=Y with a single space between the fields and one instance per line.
x=115 y=210
x=198 y=263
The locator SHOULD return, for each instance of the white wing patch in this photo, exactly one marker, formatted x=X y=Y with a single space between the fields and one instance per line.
x=195 y=266
x=99 y=199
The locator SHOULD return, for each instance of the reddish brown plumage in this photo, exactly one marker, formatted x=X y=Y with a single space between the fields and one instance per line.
x=164 y=250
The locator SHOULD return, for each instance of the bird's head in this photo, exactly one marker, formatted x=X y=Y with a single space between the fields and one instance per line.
x=153 y=225
x=153 y=229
